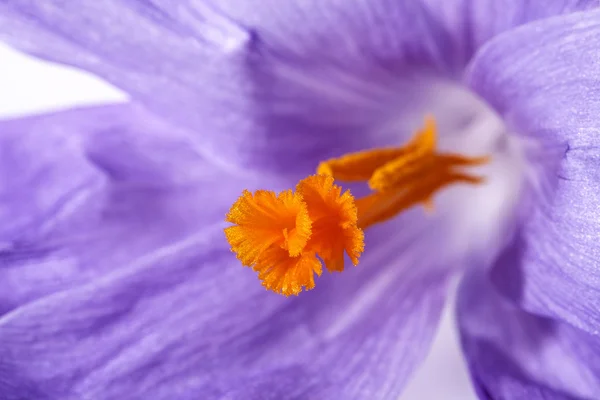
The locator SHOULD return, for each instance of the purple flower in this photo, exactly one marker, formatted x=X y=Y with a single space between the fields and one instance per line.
x=117 y=281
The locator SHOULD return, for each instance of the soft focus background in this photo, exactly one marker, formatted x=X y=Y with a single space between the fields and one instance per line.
x=29 y=86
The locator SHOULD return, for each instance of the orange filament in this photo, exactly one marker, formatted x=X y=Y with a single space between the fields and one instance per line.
x=280 y=236
x=401 y=178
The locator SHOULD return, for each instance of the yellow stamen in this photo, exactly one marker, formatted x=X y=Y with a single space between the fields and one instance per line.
x=404 y=177
x=281 y=236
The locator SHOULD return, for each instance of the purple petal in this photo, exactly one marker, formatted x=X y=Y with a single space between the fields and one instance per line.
x=516 y=355
x=116 y=279
x=187 y=321
x=545 y=79
x=471 y=23
x=275 y=85
x=442 y=35
x=88 y=191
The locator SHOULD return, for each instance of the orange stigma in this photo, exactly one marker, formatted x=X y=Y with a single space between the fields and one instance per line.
x=403 y=177
x=287 y=237
x=284 y=237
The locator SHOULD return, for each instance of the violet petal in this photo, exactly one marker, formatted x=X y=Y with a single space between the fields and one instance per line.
x=544 y=79
x=117 y=279
x=516 y=355
x=309 y=79
x=85 y=192
x=187 y=320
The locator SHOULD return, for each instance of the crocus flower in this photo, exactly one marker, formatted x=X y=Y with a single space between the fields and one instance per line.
x=118 y=281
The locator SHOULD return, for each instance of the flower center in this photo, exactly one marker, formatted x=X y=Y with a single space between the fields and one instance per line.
x=284 y=237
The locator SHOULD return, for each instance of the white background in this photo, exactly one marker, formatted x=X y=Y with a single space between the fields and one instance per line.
x=29 y=86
